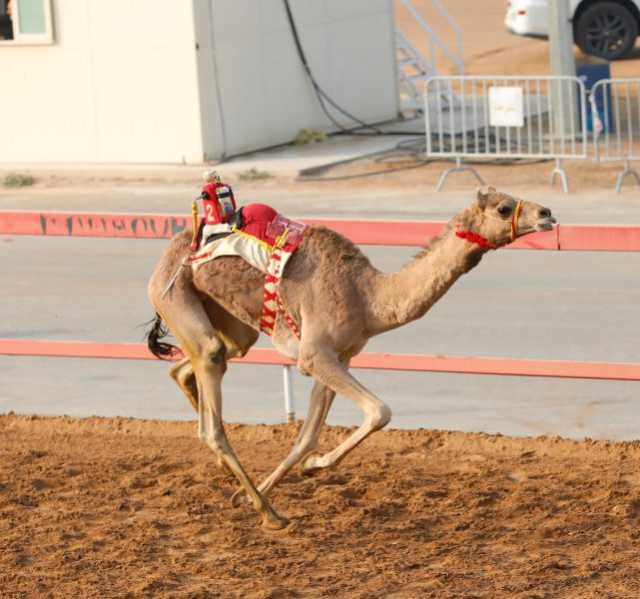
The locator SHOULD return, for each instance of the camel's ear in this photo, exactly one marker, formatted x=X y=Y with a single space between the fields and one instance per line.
x=483 y=198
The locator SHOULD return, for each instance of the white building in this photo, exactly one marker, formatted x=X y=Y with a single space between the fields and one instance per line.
x=184 y=80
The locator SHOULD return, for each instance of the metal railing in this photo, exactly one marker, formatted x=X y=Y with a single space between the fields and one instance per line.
x=457 y=32
x=434 y=41
x=615 y=122
x=413 y=67
x=505 y=117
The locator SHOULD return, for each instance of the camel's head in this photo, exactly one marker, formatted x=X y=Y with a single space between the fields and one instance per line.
x=501 y=218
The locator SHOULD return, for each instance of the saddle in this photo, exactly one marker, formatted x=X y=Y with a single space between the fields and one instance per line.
x=264 y=239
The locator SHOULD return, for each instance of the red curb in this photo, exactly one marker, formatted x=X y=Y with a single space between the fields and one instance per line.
x=365 y=232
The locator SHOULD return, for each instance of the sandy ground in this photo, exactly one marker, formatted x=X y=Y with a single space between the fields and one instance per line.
x=489 y=49
x=118 y=507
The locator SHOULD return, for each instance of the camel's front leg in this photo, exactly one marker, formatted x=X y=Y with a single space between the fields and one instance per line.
x=319 y=404
x=325 y=367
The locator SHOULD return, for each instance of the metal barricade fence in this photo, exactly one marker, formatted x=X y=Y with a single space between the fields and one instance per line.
x=615 y=121
x=505 y=117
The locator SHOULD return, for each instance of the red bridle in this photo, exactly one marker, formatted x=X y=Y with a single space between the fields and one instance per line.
x=514 y=221
x=472 y=237
x=484 y=243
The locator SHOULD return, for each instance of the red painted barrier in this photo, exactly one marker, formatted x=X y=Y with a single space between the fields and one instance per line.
x=597 y=238
x=92 y=224
x=365 y=232
x=619 y=371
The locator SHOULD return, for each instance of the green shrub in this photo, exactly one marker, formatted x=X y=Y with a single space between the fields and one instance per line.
x=18 y=180
x=309 y=136
x=253 y=174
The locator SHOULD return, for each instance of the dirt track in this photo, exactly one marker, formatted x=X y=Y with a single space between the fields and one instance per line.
x=489 y=49
x=115 y=507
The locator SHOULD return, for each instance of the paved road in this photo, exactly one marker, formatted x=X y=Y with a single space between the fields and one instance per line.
x=522 y=304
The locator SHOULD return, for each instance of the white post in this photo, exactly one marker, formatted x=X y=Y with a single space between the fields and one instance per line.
x=288 y=394
x=563 y=96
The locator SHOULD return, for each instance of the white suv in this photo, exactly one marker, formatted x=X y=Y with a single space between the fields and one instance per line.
x=605 y=28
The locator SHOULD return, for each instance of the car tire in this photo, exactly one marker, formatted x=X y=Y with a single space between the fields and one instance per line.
x=606 y=29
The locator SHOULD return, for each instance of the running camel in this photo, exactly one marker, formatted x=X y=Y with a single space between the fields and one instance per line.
x=338 y=298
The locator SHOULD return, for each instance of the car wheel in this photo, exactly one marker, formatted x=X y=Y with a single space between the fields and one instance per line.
x=606 y=29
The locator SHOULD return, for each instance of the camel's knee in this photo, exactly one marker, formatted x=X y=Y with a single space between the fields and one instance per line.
x=308 y=360
x=181 y=371
x=218 y=442
x=305 y=364
x=213 y=352
x=174 y=373
x=379 y=415
x=218 y=356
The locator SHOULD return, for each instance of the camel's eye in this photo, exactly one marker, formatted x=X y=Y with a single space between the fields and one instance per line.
x=505 y=210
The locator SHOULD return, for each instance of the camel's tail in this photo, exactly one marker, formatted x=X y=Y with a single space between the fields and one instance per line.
x=157 y=331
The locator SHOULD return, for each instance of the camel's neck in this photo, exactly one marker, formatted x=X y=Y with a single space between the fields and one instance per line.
x=404 y=296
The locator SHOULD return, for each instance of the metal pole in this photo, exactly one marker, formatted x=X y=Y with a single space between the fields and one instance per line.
x=563 y=63
x=288 y=394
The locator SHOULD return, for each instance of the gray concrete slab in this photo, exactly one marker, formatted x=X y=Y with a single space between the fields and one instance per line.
x=286 y=160
x=507 y=405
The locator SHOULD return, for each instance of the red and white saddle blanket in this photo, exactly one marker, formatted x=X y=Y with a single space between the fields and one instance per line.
x=266 y=240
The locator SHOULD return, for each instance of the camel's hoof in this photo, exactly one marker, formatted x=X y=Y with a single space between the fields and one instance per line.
x=311 y=464
x=271 y=521
x=239 y=498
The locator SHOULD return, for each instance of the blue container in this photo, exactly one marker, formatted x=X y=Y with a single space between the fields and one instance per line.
x=590 y=74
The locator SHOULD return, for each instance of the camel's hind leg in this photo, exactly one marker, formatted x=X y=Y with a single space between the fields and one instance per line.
x=209 y=374
x=182 y=373
x=236 y=336
x=192 y=326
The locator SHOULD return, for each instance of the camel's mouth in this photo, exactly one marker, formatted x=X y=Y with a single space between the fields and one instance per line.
x=545 y=224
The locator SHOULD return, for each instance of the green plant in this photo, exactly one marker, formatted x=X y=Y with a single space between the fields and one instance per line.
x=253 y=174
x=309 y=136
x=18 y=180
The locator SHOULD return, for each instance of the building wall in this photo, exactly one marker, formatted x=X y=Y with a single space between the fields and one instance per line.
x=187 y=80
x=119 y=84
x=254 y=91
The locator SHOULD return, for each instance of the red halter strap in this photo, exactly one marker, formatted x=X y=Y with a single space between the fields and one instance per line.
x=472 y=237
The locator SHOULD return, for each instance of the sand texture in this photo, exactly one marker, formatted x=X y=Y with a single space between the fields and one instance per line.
x=120 y=507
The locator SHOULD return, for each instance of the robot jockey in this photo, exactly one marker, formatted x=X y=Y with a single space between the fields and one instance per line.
x=219 y=207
